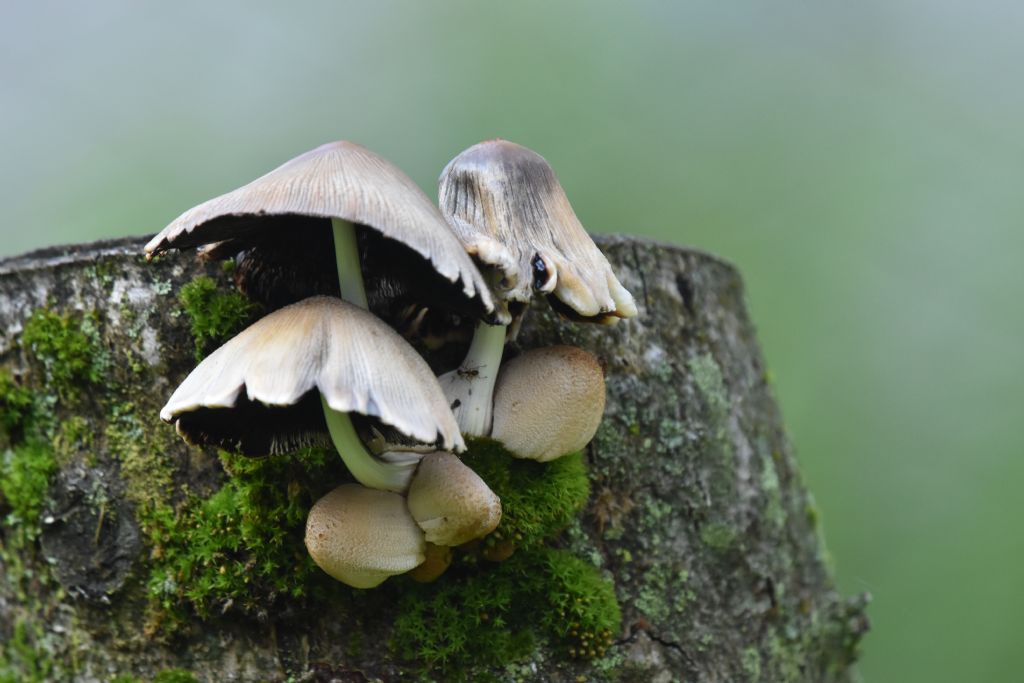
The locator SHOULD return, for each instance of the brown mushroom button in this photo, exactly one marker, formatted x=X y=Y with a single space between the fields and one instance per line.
x=361 y=536
x=548 y=402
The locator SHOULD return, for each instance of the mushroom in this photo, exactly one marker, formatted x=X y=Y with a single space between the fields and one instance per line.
x=439 y=558
x=450 y=502
x=362 y=536
x=548 y=402
x=348 y=188
x=257 y=393
x=506 y=205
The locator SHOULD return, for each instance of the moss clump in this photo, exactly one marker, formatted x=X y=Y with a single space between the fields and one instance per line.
x=24 y=480
x=486 y=612
x=28 y=463
x=216 y=315
x=537 y=499
x=496 y=613
x=174 y=676
x=15 y=405
x=68 y=348
x=242 y=548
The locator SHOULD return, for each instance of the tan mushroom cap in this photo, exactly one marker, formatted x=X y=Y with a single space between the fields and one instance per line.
x=548 y=402
x=356 y=362
x=508 y=208
x=337 y=180
x=361 y=536
x=450 y=502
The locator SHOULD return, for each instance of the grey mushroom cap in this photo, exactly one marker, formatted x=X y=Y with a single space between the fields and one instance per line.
x=340 y=180
x=506 y=205
x=361 y=536
x=256 y=394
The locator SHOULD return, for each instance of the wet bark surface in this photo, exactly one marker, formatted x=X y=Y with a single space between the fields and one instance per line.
x=697 y=511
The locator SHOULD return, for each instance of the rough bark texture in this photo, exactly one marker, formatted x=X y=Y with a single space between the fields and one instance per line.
x=697 y=511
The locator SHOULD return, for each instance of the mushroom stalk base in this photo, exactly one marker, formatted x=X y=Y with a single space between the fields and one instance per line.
x=470 y=387
x=346 y=253
x=368 y=470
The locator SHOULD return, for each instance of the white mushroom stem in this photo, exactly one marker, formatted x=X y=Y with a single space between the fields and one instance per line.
x=346 y=253
x=470 y=387
x=364 y=467
x=368 y=470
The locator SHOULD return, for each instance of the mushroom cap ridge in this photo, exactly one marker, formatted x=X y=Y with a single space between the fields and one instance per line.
x=506 y=205
x=359 y=364
x=336 y=180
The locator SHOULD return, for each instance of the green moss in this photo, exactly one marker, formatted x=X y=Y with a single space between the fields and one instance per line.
x=68 y=348
x=483 y=612
x=174 y=676
x=495 y=614
x=26 y=472
x=15 y=404
x=242 y=548
x=141 y=449
x=537 y=499
x=663 y=593
x=216 y=315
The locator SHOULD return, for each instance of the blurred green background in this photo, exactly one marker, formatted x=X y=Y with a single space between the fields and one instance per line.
x=863 y=164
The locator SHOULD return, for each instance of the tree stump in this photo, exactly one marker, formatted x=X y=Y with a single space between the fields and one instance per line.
x=697 y=514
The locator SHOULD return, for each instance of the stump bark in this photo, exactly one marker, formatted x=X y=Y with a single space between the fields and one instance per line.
x=697 y=513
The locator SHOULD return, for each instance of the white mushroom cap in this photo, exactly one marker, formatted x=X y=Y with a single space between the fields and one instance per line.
x=506 y=205
x=450 y=502
x=235 y=397
x=548 y=402
x=361 y=536
x=339 y=180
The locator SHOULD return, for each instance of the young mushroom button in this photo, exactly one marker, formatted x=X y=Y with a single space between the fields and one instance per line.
x=297 y=373
x=506 y=205
x=282 y=220
x=548 y=402
x=450 y=502
x=362 y=536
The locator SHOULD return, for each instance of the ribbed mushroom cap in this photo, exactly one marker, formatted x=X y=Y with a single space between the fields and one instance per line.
x=256 y=393
x=548 y=402
x=337 y=180
x=450 y=502
x=361 y=536
x=509 y=210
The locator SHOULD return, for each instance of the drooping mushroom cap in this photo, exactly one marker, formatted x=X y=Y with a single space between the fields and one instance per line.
x=337 y=180
x=548 y=402
x=257 y=394
x=361 y=536
x=450 y=502
x=508 y=208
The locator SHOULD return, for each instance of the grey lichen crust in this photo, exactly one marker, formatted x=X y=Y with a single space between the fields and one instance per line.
x=697 y=510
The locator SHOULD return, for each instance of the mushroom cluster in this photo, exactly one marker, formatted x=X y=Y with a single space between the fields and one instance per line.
x=324 y=369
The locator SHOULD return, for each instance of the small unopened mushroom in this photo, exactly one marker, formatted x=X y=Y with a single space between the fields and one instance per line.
x=450 y=502
x=439 y=558
x=297 y=373
x=362 y=536
x=548 y=402
x=506 y=205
